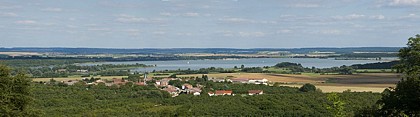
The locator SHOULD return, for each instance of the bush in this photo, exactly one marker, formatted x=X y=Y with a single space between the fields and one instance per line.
x=307 y=88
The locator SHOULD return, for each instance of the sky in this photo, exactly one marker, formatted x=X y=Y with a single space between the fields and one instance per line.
x=208 y=23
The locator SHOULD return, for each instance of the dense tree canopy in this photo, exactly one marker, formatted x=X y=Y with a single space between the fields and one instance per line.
x=404 y=100
x=14 y=94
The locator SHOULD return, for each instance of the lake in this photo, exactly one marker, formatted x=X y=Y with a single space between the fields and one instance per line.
x=230 y=63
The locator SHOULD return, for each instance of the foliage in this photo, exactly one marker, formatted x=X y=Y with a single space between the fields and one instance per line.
x=307 y=88
x=337 y=105
x=404 y=100
x=379 y=65
x=135 y=100
x=15 y=96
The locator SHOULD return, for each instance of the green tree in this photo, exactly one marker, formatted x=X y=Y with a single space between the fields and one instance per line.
x=307 y=87
x=173 y=76
x=405 y=98
x=337 y=105
x=15 y=94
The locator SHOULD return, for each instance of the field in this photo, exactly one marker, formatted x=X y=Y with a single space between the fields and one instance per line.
x=76 y=78
x=374 y=82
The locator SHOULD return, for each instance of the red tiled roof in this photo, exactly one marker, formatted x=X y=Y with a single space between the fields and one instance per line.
x=254 y=91
x=221 y=92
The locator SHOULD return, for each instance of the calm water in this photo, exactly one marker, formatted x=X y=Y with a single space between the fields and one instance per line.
x=252 y=62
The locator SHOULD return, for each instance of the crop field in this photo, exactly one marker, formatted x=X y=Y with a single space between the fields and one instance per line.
x=374 y=82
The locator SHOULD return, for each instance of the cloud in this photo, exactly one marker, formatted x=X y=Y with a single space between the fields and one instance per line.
x=8 y=14
x=188 y=14
x=99 y=29
x=410 y=16
x=404 y=3
x=159 y=32
x=284 y=31
x=130 y=19
x=349 y=17
x=124 y=18
x=242 y=34
x=305 y=5
x=9 y=6
x=378 y=17
x=167 y=14
x=236 y=20
x=133 y=32
x=251 y=34
x=52 y=9
x=191 y=14
x=26 y=22
x=184 y=34
x=329 y=32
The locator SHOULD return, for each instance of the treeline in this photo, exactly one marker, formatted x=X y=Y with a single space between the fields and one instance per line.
x=86 y=71
x=132 y=100
x=379 y=65
x=17 y=63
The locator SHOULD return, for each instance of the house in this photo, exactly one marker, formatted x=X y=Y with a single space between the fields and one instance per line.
x=158 y=82
x=261 y=81
x=255 y=92
x=140 y=83
x=165 y=81
x=82 y=70
x=196 y=93
x=119 y=81
x=210 y=93
x=223 y=92
x=71 y=82
x=194 y=90
x=240 y=80
x=187 y=86
x=174 y=91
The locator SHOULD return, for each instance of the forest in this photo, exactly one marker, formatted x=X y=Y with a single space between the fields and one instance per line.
x=100 y=100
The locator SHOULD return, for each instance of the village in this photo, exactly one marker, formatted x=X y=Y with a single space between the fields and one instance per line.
x=164 y=84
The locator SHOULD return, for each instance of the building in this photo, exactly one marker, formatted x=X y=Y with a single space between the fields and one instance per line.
x=261 y=81
x=82 y=70
x=174 y=91
x=196 y=93
x=140 y=83
x=240 y=80
x=223 y=92
x=187 y=86
x=210 y=93
x=194 y=90
x=255 y=92
x=70 y=82
x=164 y=82
x=119 y=81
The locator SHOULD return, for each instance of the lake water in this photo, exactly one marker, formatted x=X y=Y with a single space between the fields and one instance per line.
x=251 y=62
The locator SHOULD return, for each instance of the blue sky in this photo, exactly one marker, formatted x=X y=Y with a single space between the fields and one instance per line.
x=208 y=23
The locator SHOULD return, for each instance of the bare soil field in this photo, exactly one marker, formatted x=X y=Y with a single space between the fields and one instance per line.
x=373 y=82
